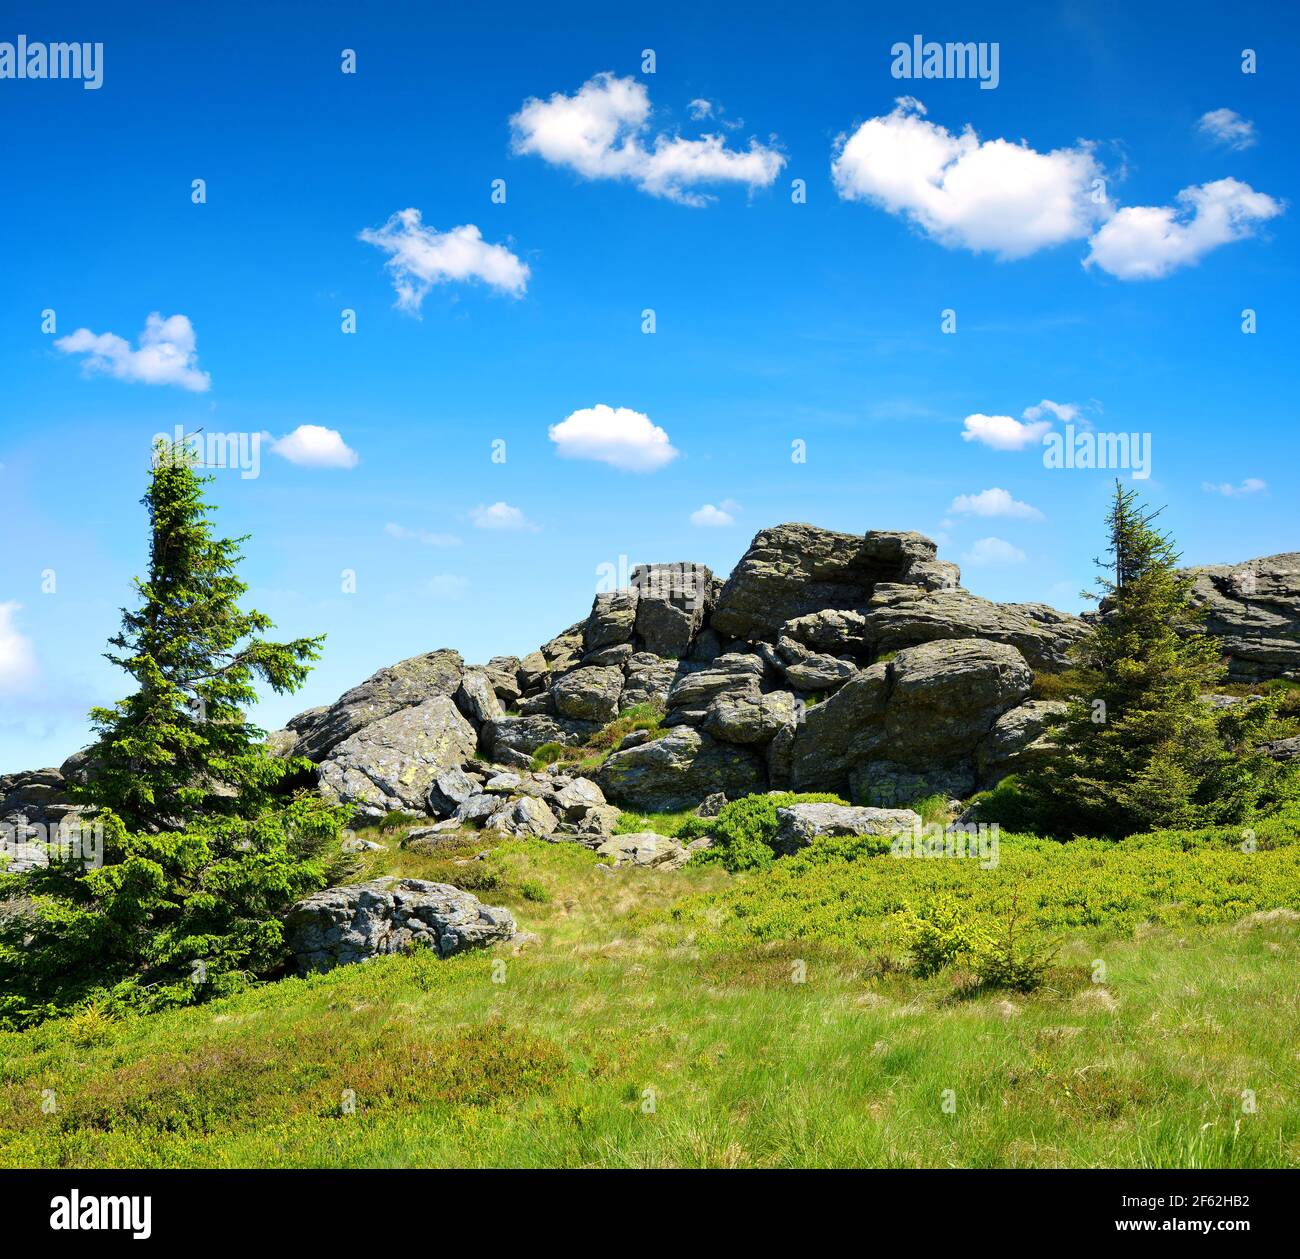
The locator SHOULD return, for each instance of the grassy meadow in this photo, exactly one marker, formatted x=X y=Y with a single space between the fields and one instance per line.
x=704 y=1019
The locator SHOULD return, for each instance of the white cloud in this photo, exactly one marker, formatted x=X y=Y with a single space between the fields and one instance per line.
x=993 y=503
x=991 y=195
x=17 y=656
x=602 y=131
x=1251 y=485
x=420 y=257
x=993 y=553
x=501 y=516
x=618 y=436
x=711 y=517
x=1002 y=432
x=166 y=355
x=1226 y=126
x=313 y=446
x=1066 y=412
x=421 y=535
x=1146 y=242
x=447 y=585
x=700 y=108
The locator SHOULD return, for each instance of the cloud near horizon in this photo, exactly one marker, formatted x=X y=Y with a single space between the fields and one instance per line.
x=166 y=354
x=420 y=257
x=602 y=131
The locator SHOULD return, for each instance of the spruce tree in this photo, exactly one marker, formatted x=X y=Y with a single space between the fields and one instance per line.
x=181 y=744
x=1138 y=747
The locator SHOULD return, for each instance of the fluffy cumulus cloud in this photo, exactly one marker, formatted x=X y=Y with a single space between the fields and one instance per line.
x=993 y=553
x=17 y=656
x=314 y=446
x=1146 y=242
x=423 y=536
x=165 y=355
x=1226 y=126
x=719 y=517
x=984 y=195
x=502 y=517
x=618 y=436
x=603 y=131
x=1251 y=485
x=420 y=257
x=1003 y=432
x=994 y=502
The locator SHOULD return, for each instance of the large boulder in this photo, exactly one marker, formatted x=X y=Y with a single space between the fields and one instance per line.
x=611 y=620
x=343 y=925
x=403 y=685
x=672 y=601
x=794 y=570
x=1018 y=739
x=749 y=717
x=678 y=770
x=392 y=763
x=833 y=630
x=738 y=674
x=590 y=693
x=1041 y=634
x=650 y=678
x=798 y=825
x=1253 y=608
x=523 y=817
x=909 y=726
x=477 y=698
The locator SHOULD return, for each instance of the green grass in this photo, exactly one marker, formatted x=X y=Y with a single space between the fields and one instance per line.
x=702 y=1019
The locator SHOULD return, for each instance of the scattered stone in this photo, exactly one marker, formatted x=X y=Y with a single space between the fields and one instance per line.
x=799 y=824
x=449 y=789
x=646 y=849
x=343 y=925
x=712 y=804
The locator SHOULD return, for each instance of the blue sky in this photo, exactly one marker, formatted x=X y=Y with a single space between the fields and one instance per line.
x=776 y=319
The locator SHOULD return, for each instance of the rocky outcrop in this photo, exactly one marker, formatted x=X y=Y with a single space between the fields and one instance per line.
x=795 y=570
x=344 y=925
x=1019 y=739
x=391 y=764
x=1253 y=608
x=590 y=693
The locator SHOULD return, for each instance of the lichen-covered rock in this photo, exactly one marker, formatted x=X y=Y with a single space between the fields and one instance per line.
x=672 y=602
x=645 y=849
x=748 y=716
x=576 y=798
x=476 y=698
x=1017 y=740
x=794 y=570
x=1041 y=634
x=527 y=734
x=590 y=693
x=799 y=824
x=678 y=770
x=449 y=789
x=391 y=763
x=343 y=925
x=611 y=620
x=1253 y=608
x=836 y=631
x=525 y=816
x=406 y=684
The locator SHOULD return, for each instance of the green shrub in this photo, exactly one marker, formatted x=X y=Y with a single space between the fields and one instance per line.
x=938 y=934
x=744 y=830
x=169 y=919
x=1008 y=958
x=635 y=717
